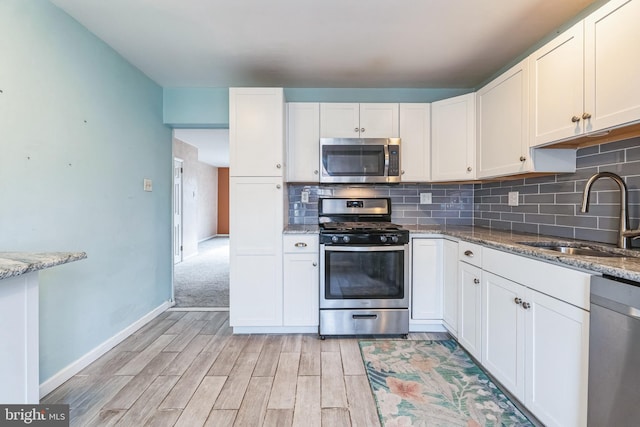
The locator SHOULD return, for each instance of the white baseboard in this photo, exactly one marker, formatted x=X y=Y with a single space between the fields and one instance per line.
x=73 y=368
x=199 y=309
x=275 y=329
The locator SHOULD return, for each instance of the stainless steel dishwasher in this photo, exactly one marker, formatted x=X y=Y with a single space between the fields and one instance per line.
x=614 y=353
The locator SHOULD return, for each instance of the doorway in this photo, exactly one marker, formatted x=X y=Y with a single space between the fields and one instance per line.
x=201 y=273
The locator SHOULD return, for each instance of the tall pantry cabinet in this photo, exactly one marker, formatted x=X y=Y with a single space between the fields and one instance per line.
x=256 y=206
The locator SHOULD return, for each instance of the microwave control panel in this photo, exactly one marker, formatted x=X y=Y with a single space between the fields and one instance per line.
x=394 y=160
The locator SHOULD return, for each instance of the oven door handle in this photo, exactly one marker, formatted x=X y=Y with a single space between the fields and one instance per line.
x=390 y=248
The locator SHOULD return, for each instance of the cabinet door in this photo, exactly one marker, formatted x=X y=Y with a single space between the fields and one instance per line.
x=255 y=242
x=453 y=138
x=470 y=309
x=303 y=145
x=612 y=65
x=503 y=131
x=256 y=131
x=415 y=134
x=426 y=298
x=503 y=331
x=339 y=120
x=379 y=120
x=301 y=289
x=450 y=286
x=557 y=86
x=556 y=361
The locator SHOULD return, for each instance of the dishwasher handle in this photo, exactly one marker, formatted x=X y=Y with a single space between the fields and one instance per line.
x=621 y=296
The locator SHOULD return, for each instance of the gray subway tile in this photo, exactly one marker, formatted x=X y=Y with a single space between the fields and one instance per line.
x=600 y=159
x=591 y=235
x=557 y=209
x=540 y=219
x=577 y=221
x=557 y=231
x=559 y=187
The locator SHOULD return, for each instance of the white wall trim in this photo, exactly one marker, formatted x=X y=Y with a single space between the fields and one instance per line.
x=73 y=368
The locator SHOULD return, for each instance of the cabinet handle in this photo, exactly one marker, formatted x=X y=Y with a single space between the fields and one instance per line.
x=278 y=186
x=526 y=305
x=468 y=168
x=517 y=300
x=315 y=172
x=361 y=129
x=357 y=129
x=468 y=253
x=523 y=159
x=586 y=116
x=402 y=172
x=300 y=245
x=476 y=281
x=279 y=166
x=315 y=264
x=575 y=119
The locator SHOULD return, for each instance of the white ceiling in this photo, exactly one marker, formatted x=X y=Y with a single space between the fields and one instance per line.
x=321 y=43
x=212 y=144
x=318 y=43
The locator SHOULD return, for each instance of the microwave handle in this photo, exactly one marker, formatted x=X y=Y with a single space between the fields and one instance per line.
x=386 y=160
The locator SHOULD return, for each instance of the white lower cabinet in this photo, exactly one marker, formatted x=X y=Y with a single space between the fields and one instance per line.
x=534 y=344
x=426 y=298
x=255 y=246
x=503 y=331
x=301 y=280
x=450 y=286
x=556 y=360
x=470 y=308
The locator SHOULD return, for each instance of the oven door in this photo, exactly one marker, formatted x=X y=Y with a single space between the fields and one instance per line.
x=354 y=160
x=364 y=276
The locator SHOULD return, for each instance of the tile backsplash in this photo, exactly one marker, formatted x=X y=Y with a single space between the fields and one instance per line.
x=547 y=205
x=452 y=204
x=551 y=204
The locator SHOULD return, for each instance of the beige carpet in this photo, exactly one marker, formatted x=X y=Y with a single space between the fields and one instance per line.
x=203 y=280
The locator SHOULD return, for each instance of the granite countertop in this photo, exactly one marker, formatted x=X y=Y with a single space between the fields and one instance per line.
x=627 y=267
x=16 y=263
x=302 y=229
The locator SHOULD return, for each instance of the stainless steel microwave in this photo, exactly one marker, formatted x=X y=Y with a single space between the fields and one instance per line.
x=360 y=160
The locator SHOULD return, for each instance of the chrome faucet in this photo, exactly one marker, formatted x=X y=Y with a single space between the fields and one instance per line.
x=624 y=233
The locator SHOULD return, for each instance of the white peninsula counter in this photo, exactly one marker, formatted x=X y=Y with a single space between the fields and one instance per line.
x=19 y=354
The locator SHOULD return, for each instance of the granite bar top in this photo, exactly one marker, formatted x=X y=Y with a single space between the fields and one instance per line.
x=626 y=267
x=17 y=263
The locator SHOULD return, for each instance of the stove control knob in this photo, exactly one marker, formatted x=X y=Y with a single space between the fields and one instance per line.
x=346 y=239
x=394 y=239
x=334 y=239
x=383 y=239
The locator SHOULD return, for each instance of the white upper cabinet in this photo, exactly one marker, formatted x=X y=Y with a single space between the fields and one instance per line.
x=503 y=131
x=556 y=88
x=256 y=132
x=612 y=64
x=415 y=133
x=453 y=142
x=586 y=79
x=349 y=120
x=303 y=135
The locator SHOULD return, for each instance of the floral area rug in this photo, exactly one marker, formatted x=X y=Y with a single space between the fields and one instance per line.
x=434 y=383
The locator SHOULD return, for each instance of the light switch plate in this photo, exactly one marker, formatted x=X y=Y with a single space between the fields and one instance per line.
x=304 y=197
x=425 y=199
x=148 y=185
x=513 y=198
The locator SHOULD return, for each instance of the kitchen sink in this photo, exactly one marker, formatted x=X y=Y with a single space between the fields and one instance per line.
x=582 y=249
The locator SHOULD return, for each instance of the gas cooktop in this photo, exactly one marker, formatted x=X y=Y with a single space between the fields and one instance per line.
x=360 y=226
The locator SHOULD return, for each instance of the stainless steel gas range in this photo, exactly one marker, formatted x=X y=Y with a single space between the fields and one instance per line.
x=364 y=268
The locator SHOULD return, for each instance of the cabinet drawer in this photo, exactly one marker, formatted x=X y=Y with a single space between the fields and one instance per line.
x=470 y=253
x=300 y=243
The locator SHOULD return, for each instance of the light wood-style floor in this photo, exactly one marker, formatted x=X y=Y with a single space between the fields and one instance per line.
x=187 y=369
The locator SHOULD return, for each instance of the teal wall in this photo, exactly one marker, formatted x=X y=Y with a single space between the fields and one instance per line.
x=80 y=128
x=209 y=107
